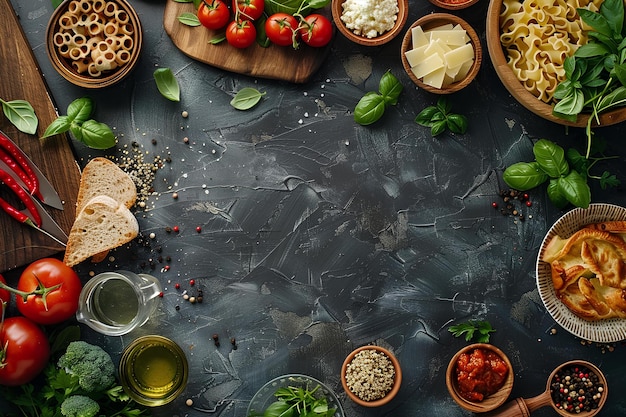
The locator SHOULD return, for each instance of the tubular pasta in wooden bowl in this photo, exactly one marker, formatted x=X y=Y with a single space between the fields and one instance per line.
x=95 y=35
x=537 y=36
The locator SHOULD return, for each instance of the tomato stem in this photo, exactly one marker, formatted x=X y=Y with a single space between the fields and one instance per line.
x=41 y=290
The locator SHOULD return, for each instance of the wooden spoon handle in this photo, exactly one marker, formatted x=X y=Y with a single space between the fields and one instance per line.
x=521 y=407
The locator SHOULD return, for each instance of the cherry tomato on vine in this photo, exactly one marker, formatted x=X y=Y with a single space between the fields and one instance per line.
x=240 y=34
x=317 y=30
x=213 y=14
x=57 y=289
x=24 y=351
x=280 y=28
x=248 y=9
x=4 y=294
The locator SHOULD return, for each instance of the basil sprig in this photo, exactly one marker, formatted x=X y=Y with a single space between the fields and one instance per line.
x=566 y=173
x=94 y=134
x=440 y=117
x=372 y=105
x=21 y=114
x=596 y=73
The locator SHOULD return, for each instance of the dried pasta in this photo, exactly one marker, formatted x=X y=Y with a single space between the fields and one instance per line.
x=537 y=36
x=95 y=35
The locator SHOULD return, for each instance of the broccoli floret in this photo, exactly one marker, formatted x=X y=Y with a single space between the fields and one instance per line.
x=91 y=364
x=79 y=406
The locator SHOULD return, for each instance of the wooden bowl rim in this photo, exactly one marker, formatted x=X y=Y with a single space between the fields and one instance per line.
x=434 y=20
x=600 y=375
x=403 y=14
x=493 y=401
x=397 y=380
x=515 y=87
x=453 y=6
x=61 y=65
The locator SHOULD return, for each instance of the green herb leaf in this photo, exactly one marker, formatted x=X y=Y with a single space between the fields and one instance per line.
x=167 y=84
x=246 y=98
x=481 y=329
x=21 y=114
x=97 y=135
x=524 y=176
x=457 y=123
x=438 y=127
x=189 y=19
x=426 y=116
x=369 y=109
x=551 y=158
x=439 y=118
x=80 y=110
x=59 y=125
x=575 y=189
x=390 y=88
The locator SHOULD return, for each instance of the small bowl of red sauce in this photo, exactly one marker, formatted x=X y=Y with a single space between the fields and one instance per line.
x=453 y=4
x=480 y=377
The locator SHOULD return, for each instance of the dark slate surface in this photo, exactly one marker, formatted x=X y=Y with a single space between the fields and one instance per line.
x=319 y=235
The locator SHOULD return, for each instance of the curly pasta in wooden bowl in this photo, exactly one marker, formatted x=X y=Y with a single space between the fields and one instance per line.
x=94 y=43
x=528 y=42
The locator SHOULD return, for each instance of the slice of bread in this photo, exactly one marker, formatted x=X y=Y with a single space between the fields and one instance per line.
x=102 y=176
x=101 y=225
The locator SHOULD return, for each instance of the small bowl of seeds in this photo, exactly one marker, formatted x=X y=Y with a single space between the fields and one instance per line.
x=577 y=388
x=371 y=376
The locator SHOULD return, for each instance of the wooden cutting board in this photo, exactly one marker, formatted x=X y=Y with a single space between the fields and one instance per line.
x=274 y=62
x=20 y=79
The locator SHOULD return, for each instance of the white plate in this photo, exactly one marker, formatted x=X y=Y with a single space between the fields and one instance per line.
x=602 y=331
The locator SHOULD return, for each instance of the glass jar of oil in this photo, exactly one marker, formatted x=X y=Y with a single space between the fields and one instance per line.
x=153 y=370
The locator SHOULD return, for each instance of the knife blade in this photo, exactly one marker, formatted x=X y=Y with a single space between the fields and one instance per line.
x=50 y=196
x=49 y=226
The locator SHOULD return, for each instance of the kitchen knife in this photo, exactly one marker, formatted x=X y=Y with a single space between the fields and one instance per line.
x=48 y=225
x=49 y=194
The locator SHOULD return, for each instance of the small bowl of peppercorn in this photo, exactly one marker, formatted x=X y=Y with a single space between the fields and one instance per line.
x=479 y=377
x=371 y=376
x=577 y=387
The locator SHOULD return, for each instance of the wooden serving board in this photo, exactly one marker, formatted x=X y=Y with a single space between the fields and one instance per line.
x=274 y=62
x=20 y=79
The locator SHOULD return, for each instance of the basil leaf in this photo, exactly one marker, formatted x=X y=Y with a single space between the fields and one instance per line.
x=246 y=98
x=551 y=158
x=444 y=105
x=438 y=128
x=570 y=105
x=425 y=117
x=167 y=84
x=317 y=4
x=77 y=131
x=575 y=189
x=80 y=109
x=613 y=11
x=277 y=408
x=457 y=123
x=555 y=195
x=97 y=135
x=189 y=19
x=523 y=176
x=577 y=161
x=59 y=125
x=390 y=88
x=595 y=20
x=21 y=114
x=369 y=109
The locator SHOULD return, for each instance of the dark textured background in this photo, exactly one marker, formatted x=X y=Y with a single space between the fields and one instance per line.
x=319 y=235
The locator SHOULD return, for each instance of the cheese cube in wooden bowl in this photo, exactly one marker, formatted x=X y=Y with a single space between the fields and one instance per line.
x=441 y=53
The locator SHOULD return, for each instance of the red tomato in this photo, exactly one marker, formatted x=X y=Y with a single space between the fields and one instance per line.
x=61 y=303
x=4 y=294
x=240 y=34
x=24 y=350
x=317 y=30
x=213 y=14
x=280 y=28
x=248 y=9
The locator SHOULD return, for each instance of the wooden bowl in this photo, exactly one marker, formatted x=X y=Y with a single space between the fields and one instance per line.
x=71 y=55
x=601 y=379
x=489 y=403
x=515 y=87
x=431 y=21
x=403 y=13
x=396 y=384
x=454 y=4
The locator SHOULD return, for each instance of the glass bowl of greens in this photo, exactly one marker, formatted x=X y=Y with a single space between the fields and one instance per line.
x=304 y=394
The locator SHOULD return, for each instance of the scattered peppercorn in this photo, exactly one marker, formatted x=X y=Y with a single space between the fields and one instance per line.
x=161 y=294
x=175 y=229
x=175 y=196
x=198 y=229
x=177 y=308
x=233 y=342
x=192 y=282
x=177 y=286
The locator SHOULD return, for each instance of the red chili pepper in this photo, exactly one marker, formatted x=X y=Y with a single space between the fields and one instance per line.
x=15 y=167
x=23 y=196
x=13 y=212
x=12 y=150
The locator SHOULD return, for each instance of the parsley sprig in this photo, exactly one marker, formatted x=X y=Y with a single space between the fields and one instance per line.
x=481 y=330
